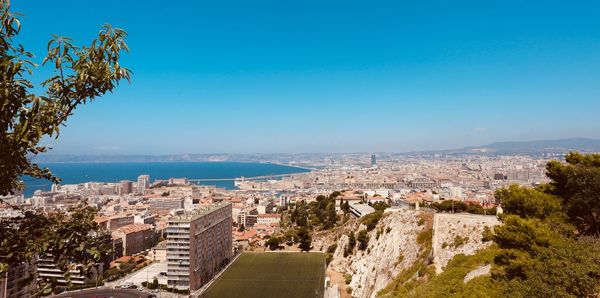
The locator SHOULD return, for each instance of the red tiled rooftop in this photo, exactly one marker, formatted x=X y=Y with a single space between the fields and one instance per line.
x=134 y=227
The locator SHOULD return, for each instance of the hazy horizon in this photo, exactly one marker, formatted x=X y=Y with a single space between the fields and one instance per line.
x=273 y=77
x=52 y=153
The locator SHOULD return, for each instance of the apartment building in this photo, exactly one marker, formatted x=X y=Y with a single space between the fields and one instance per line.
x=247 y=217
x=136 y=237
x=199 y=243
x=47 y=269
x=125 y=187
x=267 y=219
x=360 y=210
x=165 y=204
x=143 y=182
x=116 y=221
x=19 y=280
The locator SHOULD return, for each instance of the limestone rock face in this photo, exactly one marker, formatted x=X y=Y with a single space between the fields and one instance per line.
x=395 y=249
x=481 y=270
x=458 y=233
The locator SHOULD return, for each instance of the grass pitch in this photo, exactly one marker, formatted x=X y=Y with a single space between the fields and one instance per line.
x=272 y=274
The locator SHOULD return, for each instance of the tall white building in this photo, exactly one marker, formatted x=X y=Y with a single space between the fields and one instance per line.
x=125 y=187
x=143 y=182
x=199 y=243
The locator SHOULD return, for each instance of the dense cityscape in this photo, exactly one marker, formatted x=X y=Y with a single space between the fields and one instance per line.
x=153 y=224
x=307 y=149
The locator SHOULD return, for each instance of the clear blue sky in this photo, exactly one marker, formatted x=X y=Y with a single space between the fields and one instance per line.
x=332 y=76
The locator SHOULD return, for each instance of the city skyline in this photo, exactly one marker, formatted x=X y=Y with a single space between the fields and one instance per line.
x=317 y=149
x=337 y=77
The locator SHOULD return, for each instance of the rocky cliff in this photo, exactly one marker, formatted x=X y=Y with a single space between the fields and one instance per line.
x=392 y=247
x=458 y=234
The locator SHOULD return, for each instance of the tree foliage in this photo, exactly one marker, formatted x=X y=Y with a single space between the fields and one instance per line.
x=538 y=261
x=380 y=206
x=527 y=202
x=72 y=241
x=450 y=283
x=345 y=206
x=319 y=214
x=351 y=243
x=300 y=214
x=273 y=242
x=578 y=184
x=547 y=246
x=542 y=252
x=459 y=206
x=331 y=248
x=80 y=74
x=304 y=239
x=371 y=220
x=363 y=239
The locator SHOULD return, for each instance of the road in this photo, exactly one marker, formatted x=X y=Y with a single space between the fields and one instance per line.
x=137 y=277
x=116 y=293
x=147 y=273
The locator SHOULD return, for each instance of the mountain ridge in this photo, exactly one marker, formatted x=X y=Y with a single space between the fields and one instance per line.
x=532 y=147
x=554 y=146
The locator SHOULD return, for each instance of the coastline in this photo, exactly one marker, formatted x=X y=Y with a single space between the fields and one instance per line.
x=112 y=172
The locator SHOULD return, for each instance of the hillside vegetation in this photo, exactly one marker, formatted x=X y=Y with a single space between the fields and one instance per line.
x=547 y=246
x=370 y=259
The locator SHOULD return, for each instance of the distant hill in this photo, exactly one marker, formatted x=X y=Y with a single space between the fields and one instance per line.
x=216 y=157
x=533 y=147
x=71 y=158
x=499 y=148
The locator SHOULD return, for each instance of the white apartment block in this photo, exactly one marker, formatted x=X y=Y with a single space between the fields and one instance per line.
x=199 y=243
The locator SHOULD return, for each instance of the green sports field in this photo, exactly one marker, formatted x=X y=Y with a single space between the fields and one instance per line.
x=272 y=274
